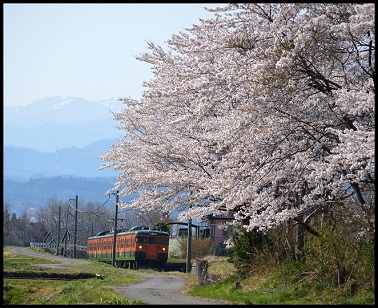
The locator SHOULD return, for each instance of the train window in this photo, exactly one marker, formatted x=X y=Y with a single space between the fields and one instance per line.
x=141 y=239
x=152 y=240
x=163 y=240
x=122 y=243
x=128 y=243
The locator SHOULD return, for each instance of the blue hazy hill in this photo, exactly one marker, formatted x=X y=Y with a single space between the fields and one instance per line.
x=24 y=163
x=60 y=122
x=51 y=148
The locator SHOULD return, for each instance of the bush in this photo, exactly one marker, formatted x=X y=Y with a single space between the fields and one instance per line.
x=248 y=249
x=199 y=248
x=338 y=258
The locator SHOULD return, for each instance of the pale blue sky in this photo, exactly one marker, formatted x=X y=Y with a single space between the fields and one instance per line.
x=85 y=50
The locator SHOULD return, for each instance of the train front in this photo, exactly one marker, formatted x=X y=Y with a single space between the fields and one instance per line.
x=151 y=247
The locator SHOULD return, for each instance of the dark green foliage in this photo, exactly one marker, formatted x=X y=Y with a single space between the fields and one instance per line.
x=290 y=272
x=339 y=255
x=340 y=258
x=246 y=247
x=160 y=225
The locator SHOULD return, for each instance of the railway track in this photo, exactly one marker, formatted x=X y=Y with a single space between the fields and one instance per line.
x=175 y=267
x=168 y=267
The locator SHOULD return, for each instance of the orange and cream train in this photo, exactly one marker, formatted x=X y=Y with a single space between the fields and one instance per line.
x=134 y=248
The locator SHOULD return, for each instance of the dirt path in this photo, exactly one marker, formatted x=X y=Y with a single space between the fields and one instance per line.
x=156 y=289
x=61 y=259
x=160 y=289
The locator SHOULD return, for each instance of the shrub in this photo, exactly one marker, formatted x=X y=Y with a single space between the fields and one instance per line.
x=199 y=247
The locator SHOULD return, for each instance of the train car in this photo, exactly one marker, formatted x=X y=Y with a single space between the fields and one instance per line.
x=138 y=248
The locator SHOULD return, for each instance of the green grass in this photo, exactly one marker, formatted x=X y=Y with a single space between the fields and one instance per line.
x=260 y=295
x=63 y=292
x=54 y=292
x=176 y=260
x=271 y=287
x=22 y=262
x=263 y=288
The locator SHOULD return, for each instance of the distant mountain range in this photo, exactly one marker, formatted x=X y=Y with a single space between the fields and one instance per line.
x=51 y=148
x=22 y=164
x=36 y=192
x=58 y=122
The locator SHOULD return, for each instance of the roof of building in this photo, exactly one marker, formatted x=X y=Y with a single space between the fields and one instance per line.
x=226 y=215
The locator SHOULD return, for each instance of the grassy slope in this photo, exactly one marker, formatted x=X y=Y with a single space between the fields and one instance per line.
x=54 y=292
x=221 y=284
x=267 y=287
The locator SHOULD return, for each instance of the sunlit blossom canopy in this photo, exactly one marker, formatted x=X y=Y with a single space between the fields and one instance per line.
x=265 y=110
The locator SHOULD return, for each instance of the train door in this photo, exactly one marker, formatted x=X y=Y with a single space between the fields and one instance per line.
x=152 y=250
x=129 y=246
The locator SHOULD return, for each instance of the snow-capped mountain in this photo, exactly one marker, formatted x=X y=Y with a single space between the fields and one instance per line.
x=51 y=147
x=59 y=109
x=60 y=121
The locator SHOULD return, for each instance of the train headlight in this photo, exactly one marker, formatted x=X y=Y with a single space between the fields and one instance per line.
x=164 y=248
x=140 y=246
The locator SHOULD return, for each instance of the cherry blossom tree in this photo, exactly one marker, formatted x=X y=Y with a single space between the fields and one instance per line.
x=266 y=110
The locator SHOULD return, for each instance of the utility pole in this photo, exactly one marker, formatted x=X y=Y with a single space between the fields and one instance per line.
x=66 y=235
x=189 y=247
x=75 y=228
x=58 y=234
x=115 y=231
